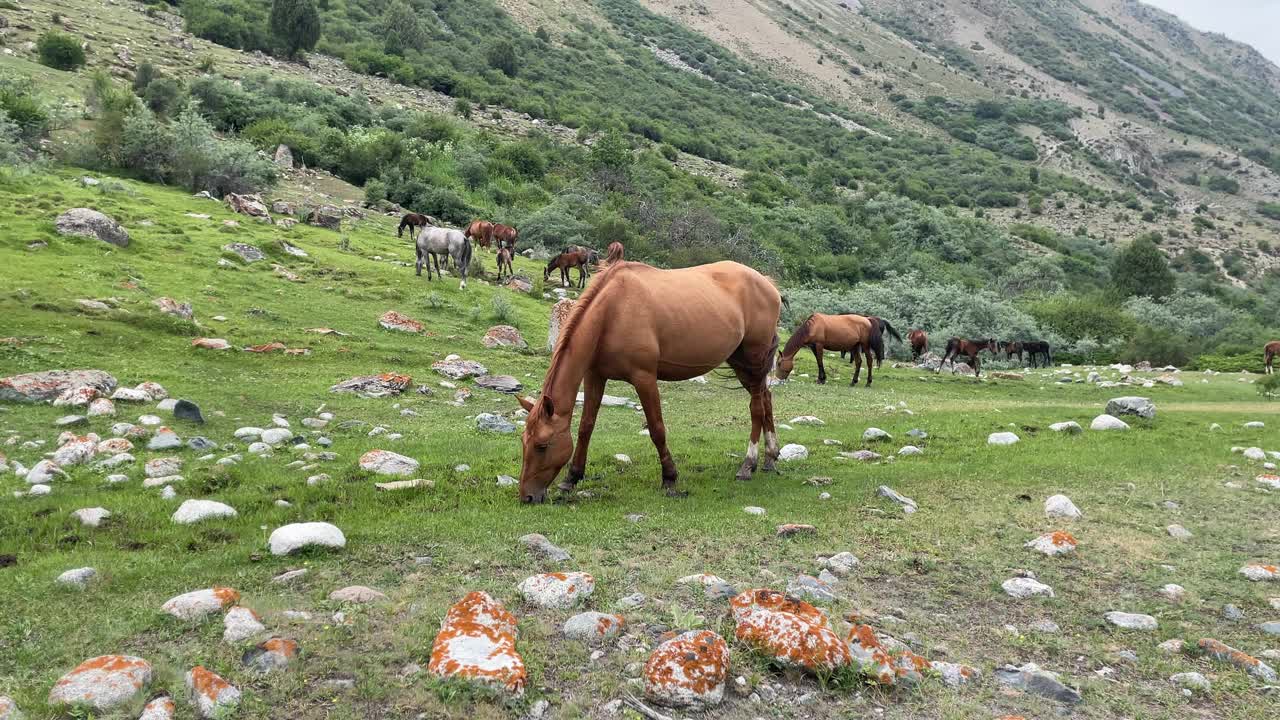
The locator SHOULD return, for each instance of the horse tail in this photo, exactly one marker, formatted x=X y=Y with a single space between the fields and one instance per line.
x=884 y=325
x=1048 y=354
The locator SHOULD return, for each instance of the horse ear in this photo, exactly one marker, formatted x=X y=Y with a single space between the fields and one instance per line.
x=526 y=403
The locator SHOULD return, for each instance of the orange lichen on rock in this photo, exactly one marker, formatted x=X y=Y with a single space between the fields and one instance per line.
x=1055 y=543
x=102 y=683
x=266 y=348
x=688 y=670
x=477 y=641
x=880 y=664
x=791 y=631
x=1225 y=653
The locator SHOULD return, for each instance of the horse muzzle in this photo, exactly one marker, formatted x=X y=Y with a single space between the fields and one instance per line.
x=535 y=499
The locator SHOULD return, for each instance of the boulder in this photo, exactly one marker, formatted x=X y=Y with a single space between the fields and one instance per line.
x=1002 y=438
x=250 y=205
x=169 y=306
x=374 y=386
x=1108 y=422
x=477 y=641
x=1256 y=572
x=1060 y=506
x=325 y=216
x=48 y=385
x=248 y=253
x=199 y=604
x=541 y=547
x=503 y=336
x=393 y=320
x=793 y=451
x=385 y=462
x=499 y=383
x=1070 y=427
x=882 y=663
x=559 y=316
x=102 y=684
x=688 y=670
x=1139 y=406
x=1022 y=588
x=789 y=631
x=270 y=655
x=1131 y=621
x=188 y=411
x=213 y=697
x=194 y=511
x=92 y=224
x=1054 y=543
x=457 y=368
x=240 y=624
x=593 y=627
x=78 y=578
x=557 y=590
x=78 y=396
x=283 y=157
x=296 y=536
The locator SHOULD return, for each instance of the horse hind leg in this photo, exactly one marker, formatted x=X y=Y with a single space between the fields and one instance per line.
x=761 y=417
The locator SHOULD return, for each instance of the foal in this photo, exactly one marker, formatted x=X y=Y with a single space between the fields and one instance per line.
x=958 y=346
x=504 y=260
x=570 y=257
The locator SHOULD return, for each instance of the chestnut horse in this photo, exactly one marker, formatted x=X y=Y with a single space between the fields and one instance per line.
x=504 y=260
x=1269 y=351
x=614 y=253
x=412 y=221
x=1012 y=348
x=634 y=324
x=919 y=344
x=480 y=232
x=573 y=256
x=958 y=346
x=879 y=326
x=505 y=234
x=818 y=332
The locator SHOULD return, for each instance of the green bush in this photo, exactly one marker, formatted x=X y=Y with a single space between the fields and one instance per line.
x=20 y=104
x=164 y=95
x=295 y=25
x=1251 y=362
x=1078 y=317
x=60 y=50
x=502 y=56
x=1141 y=270
x=1221 y=183
x=239 y=24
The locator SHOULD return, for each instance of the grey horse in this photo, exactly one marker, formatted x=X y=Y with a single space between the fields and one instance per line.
x=437 y=241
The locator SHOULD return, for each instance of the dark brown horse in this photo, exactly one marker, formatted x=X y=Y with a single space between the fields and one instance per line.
x=504 y=260
x=1011 y=348
x=480 y=232
x=970 y=348
x=635 y=324
x=1038 y=349
x=1269 y=351
x=573 y=256
x=412 y=221
x=879 y=326
x=852 y=333
x=505 y=235
x=919 y=344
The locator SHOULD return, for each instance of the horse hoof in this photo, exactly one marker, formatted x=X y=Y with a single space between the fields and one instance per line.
x=743 y=475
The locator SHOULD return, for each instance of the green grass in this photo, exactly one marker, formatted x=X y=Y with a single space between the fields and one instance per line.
x=939 y=570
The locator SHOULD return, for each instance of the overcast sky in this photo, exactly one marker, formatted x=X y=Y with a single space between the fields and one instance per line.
x=1256 y=22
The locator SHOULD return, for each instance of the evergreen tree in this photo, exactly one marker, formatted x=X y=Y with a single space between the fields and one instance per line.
x=295 y=25
x=1141 y=270
x=401 y=29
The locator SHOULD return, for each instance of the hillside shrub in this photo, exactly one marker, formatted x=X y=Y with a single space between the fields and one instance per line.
x=59 y=50
x=295 y=26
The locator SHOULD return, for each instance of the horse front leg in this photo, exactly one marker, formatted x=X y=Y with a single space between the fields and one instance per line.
x=869 y=364
x=418 y=265
x=770 y=431
x=822 y=370
x=856 y=356
x=592 y=393
x=977 y=365
x=647 y=389
x=749 y=463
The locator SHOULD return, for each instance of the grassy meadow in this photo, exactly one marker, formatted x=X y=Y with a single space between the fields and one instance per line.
x=938 y=571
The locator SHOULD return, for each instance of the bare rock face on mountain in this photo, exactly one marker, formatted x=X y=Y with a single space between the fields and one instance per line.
x=283 y=157
x=250 y=205
x=92 y=224
x=325 y=216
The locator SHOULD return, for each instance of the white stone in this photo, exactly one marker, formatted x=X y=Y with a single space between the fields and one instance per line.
x=1021 y=587
x=840 y=564
x=1254 y=453
x=793 y=451
x=806 y=420
x=1002 y=438
x=753 y=510
x=908 y=450
x=240 y=624
x=248 y=433
x=296 y=536
x=162 y=466
x=277 y=436
x=1071 y=427
x=1061 y=506
x=198 y=604
x=874 y=434
x=557 y=590
x=91 y=517
x=1132 y=621
x=79 y=578
x=385 y=462
x=1108 y=422
x=194 y=511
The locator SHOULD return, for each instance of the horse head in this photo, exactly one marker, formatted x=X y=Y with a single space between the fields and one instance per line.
x=784 y=365
x=547 y=446
x=993 y=346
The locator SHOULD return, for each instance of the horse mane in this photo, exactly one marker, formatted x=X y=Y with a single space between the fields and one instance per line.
x=797 y=339
x=580 y=308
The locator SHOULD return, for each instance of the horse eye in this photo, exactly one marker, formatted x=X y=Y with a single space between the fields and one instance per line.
x=542 y=447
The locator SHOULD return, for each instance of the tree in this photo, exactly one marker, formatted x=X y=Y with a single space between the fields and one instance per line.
x=60 y=51
x=295 y=25
x=1141 y=270
x=401 y=30
x=502 y=56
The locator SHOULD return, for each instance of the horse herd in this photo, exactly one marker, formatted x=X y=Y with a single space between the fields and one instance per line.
x=435 y=242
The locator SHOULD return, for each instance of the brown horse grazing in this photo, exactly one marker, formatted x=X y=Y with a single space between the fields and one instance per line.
x=879 y=326
x=1012 y=348
x=919 y=344
x=1269 y=351
x=413 y=221
x=504 y=260
x=830 y=332
x=634 y=324
x=505 y=235
x=958 y=346
x=573 y=256
x=480 y=232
